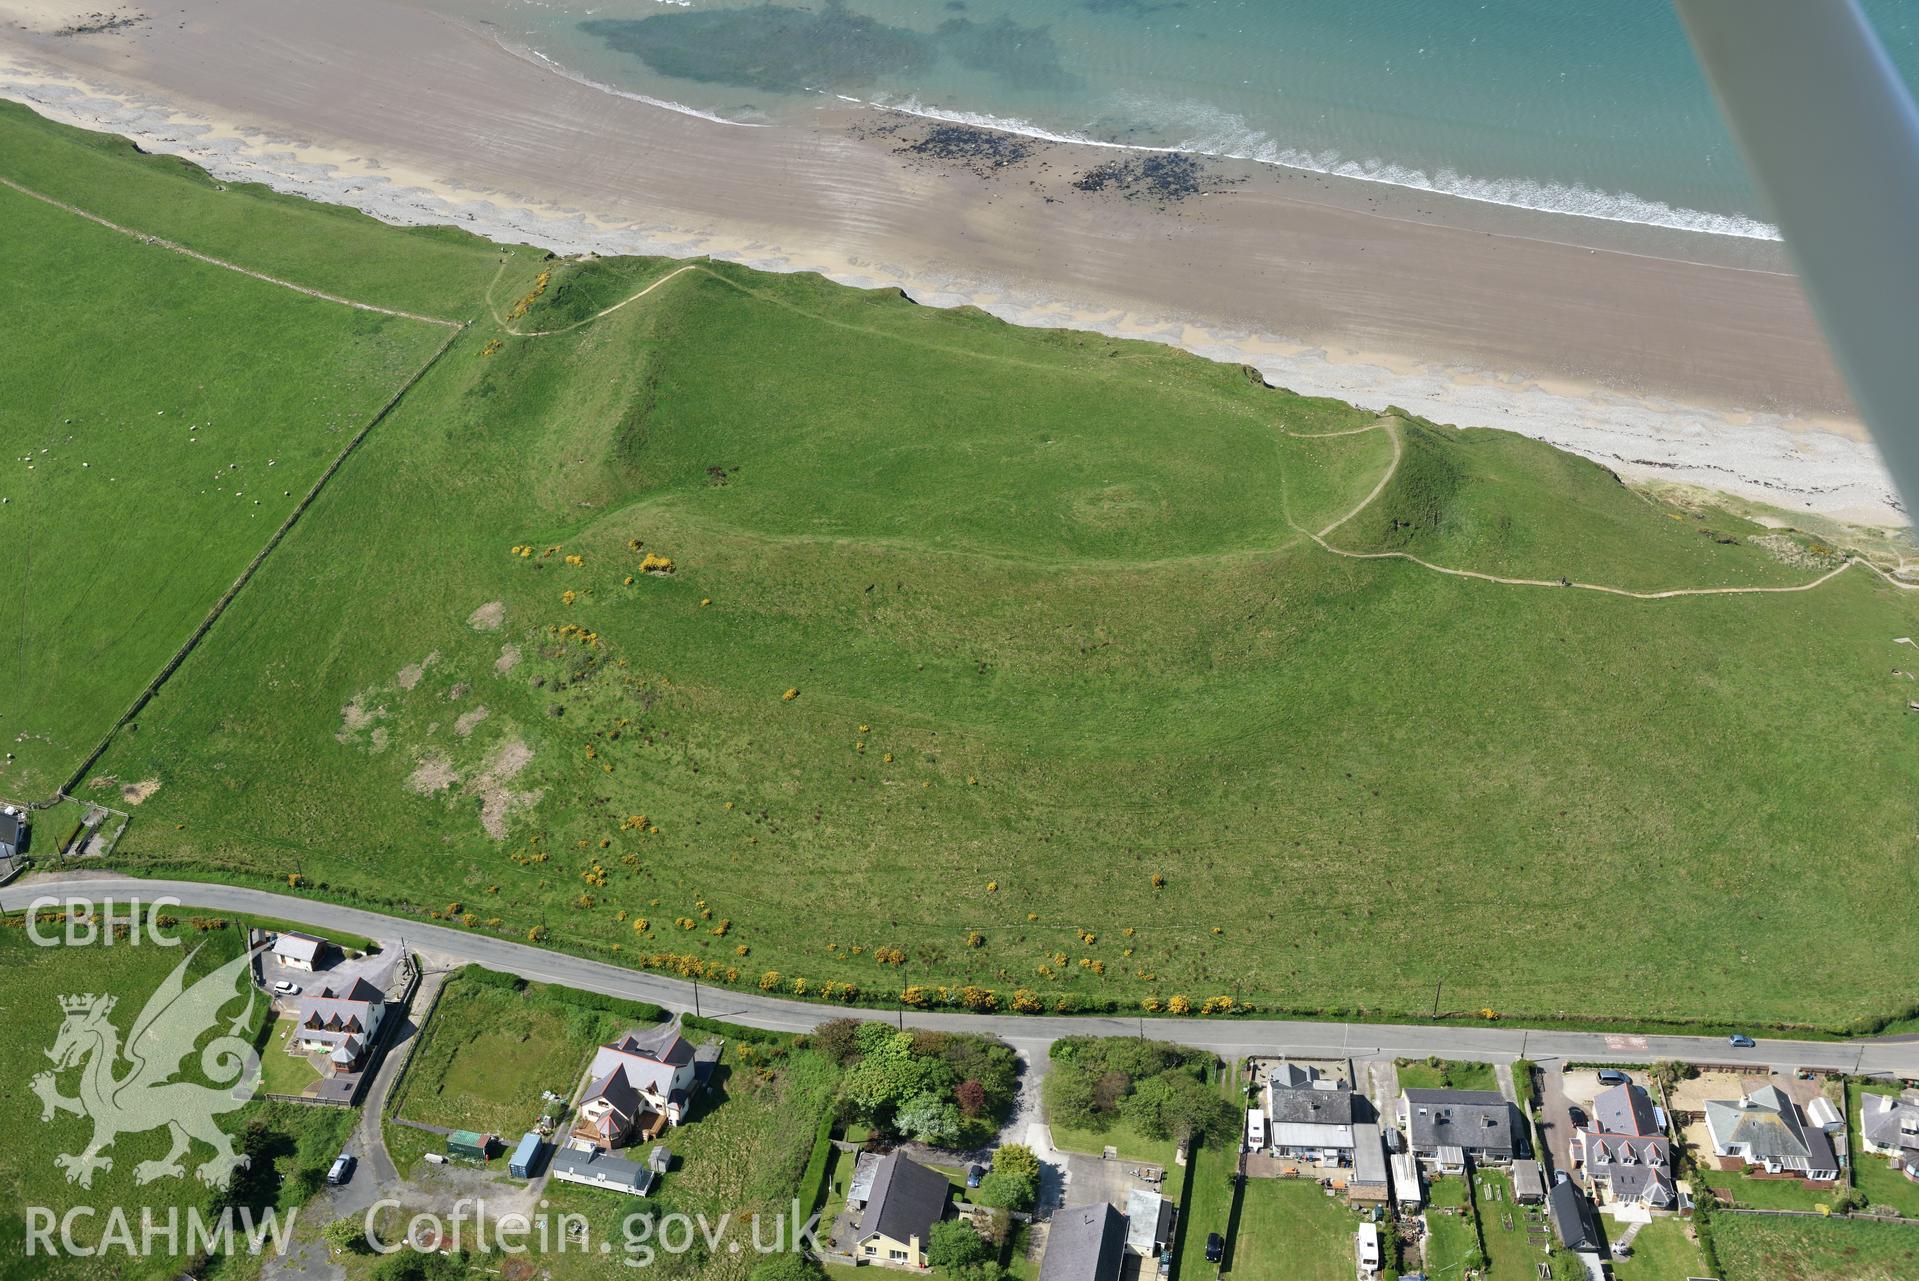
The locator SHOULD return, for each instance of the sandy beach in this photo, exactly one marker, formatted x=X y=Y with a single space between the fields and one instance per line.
x=1662 y=354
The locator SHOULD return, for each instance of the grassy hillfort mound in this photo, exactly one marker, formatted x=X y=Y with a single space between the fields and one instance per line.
x=803 y=637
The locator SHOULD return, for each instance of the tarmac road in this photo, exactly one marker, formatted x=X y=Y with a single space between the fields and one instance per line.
x=1889 y=1056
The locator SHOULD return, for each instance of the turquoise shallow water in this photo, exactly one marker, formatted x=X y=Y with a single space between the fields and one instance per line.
x=1593 y=108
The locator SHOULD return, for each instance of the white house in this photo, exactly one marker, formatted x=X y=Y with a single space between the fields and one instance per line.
x=340 y=1015
x=1766 y=1130
x=298 y=951
x=1889 y=1127
x=642 y=1082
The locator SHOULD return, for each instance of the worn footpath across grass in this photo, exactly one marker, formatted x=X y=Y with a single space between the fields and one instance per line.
x=161 y=417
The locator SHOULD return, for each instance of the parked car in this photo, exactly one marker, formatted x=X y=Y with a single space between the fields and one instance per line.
x=1612 y=1076
x=1577 y=1115
x=975 y=1173
x=1215 y=1247
x=1740 y=1041
x=286 y=988
x=342 y=1169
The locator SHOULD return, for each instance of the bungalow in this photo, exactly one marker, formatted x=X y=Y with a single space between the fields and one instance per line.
x=1572 y=1218
x=340 y=1017
x=1311 y=1122
x=1890 y=1127
x=1084 y=1243
x=596 y=1169
x=298 y=951
x=906 y=1200
x=1149 y=1223
x=639 y=1085
x=1622 y=1154
x=1447 y=1126
x=1765 y=1129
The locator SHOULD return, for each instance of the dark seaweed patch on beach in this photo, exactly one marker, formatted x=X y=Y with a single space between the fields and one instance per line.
x=771 y=47
x=97 y=24
x=984 y=151
x=1025 y=56
x=1162 y=177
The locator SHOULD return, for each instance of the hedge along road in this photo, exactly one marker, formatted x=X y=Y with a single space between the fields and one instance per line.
x=1894 y=1056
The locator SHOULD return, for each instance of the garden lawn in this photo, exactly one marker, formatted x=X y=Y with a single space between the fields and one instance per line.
x=492 y=1049
x=1131 y=1145
x=1419 y=1074
x=1871 y=1173
x=1207 y=1206
x=1511 y=1257
x=158 y=420
x=1062 y=659
x=1452 y=1239
x=1290 y=1230
x=1663 y=1251
x=1761 y=1248
x=281 y=1072
x=1742 y=1190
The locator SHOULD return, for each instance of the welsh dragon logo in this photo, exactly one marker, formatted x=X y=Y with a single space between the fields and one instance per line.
x=147 y=1095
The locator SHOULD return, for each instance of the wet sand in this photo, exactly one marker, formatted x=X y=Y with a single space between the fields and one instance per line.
x=1687 y=357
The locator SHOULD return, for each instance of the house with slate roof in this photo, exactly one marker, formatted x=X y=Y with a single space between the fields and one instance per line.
x=340 y=1015
x=1311 y=1120
x=637 y=1086
x=906 y=1200
x=1447 y=1126
x=1571 y=1214
x=1622 y=1154
x=1766 y=1134
x=1890 y=1128
x=1085 y=1243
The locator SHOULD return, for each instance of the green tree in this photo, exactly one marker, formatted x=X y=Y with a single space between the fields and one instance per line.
x=928 y=1118
x=1007 y=1190
x=957 y=1250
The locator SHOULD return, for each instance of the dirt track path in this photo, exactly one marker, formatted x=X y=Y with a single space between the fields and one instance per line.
x=1390 y=426
x=209 y=259
x=567 y=329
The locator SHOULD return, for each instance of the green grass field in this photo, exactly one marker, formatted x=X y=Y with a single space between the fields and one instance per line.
x=1452 y=1229
x=1420 y=1074
x=1663 y=1251
x=1502 y=1229
x=290 y=1145
x=491 y=1051
x=1290 y=1230
x=162 y=416
x=1757 y=1248
x=1080 y=708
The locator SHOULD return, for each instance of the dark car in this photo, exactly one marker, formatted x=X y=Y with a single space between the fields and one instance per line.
x=342 y=1169
x=1577 y=1115
x=1215 y=1247
x=974 y=1173
x=1740 y=1041
x=1613 y=1076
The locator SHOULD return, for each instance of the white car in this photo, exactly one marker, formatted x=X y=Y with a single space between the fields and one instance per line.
x=286 y=988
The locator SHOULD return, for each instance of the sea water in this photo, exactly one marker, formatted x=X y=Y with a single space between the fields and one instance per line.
x=1593 y=108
